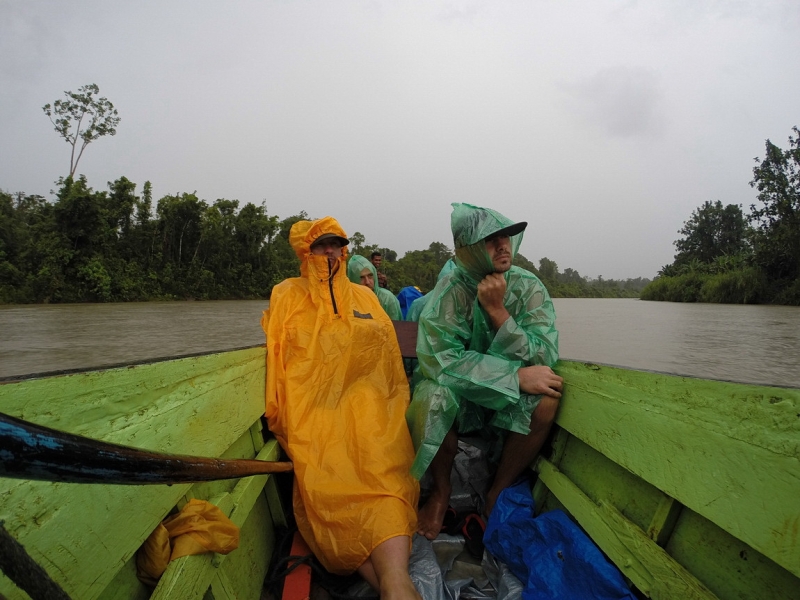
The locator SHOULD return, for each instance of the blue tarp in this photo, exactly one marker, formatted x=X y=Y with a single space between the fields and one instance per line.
x=406 y=296
x=552 y=557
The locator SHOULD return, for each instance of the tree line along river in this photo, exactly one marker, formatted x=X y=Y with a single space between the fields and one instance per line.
x=751 y=343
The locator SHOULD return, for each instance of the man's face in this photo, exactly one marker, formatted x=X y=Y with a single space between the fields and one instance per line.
x=377 y=260
x=367 y=279
x=499 y=249
x=332 y=248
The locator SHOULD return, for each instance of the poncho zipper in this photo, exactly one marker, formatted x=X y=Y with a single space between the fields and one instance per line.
x=330 y=286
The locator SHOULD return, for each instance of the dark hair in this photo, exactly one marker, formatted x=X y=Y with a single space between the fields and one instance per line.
x=374 y=254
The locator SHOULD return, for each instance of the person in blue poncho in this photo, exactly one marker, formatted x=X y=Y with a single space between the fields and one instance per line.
x=406 y=297
x=486 y=342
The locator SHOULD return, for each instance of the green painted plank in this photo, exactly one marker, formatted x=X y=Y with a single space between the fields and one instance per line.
x=246 y=568
x=247 y=490
x=222 y=588
x=639 y=558
x=161 y=406
x=83 y=534
x=276 y=508
x=242 y=448
x=664 y=519
x=729 y=567
x=256 y=435
x=125 y=585
x=189 y=577
x=730 y=452
x=602 y=479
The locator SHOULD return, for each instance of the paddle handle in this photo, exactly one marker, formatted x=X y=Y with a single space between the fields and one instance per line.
x=30 y=451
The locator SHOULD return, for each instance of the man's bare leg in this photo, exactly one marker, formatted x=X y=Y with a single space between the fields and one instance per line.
x=431 y=515
x=519 y=450
x=386 y=570
x=367 y=571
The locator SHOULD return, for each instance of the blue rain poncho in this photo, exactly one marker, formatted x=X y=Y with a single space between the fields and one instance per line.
x=388 y=301
x=406 y=298
x=467 y=370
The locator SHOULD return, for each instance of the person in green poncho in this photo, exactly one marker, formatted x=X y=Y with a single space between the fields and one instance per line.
x=361 y=271
x=415 y=310
x=486 y=345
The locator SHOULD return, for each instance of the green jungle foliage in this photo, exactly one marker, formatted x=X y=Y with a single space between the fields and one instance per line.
x=421 y=268
x=90 y=246
x=725 y=256
x=115 y=246
x=570 y=284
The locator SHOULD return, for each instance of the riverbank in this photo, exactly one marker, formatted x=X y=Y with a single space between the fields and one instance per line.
x=744 y=286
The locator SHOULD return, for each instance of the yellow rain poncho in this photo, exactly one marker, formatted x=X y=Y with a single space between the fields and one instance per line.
x=199 y=527
x=336 y=396
x=467 y=370
x=388 y=301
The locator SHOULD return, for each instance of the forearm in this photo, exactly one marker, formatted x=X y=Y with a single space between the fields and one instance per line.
x=532 y=345
x=498 y=317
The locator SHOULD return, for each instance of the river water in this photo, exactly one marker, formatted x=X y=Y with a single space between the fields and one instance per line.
x=754 y=344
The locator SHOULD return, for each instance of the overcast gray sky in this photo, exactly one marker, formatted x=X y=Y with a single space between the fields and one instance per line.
x=602 y=123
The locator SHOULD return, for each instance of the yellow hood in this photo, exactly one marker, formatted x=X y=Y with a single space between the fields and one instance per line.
x=302 y=235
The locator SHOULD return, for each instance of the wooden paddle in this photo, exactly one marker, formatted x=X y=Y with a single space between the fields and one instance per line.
x=29 y=451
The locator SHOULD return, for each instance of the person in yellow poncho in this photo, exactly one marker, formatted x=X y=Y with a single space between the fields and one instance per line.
x=336 y=399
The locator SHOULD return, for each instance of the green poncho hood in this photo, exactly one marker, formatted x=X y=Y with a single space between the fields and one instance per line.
x=389 y=302
x=471 y=225
x=358 y=263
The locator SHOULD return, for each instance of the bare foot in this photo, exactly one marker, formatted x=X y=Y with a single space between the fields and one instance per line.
x=431 y=515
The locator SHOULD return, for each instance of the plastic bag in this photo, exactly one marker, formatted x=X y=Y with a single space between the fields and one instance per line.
x=551 y=555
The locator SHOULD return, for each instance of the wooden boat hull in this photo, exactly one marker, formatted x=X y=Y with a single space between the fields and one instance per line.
x=86 y=536
x=689 y=486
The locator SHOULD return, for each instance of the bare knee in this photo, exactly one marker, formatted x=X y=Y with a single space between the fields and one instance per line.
x=546 y=411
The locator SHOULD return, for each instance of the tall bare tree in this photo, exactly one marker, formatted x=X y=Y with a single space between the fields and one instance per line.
x=81 y=119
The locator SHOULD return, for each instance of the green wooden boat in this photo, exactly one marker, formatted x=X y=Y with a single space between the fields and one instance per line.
x=691 y=487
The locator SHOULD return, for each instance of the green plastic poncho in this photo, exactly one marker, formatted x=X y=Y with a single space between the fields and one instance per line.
x=388 y=301
x=468 y=370
x=415 y=310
